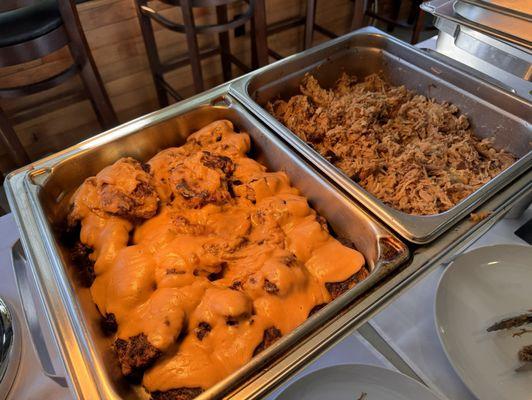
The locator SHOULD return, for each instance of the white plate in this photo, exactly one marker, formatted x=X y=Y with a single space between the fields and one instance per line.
x=349 y=381
x=478 y=289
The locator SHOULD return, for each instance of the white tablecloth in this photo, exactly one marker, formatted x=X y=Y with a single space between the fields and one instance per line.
x=408 y=324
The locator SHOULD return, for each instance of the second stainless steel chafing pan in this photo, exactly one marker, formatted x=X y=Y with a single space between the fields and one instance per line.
x=491 y=111
x=45 y=190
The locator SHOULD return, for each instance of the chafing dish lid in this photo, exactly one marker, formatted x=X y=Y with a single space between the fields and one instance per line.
x=509 y=17
x=515 y=8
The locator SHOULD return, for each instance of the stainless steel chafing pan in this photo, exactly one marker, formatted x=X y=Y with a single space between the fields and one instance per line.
x=43 y=192
x=491 y=111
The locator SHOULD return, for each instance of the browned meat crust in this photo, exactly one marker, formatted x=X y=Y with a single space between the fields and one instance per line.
x=336 y=289
x=219 y=162
x=177 y=394
x=525 y=354
x=202 y=330
x=108 y=324
x=271 y=335
x=135 y=354
x=477 y=217
x=197 y=198
x=315 y=309
x=79 y=255
x=415 y=154
x=270 y=287
x=513 y=322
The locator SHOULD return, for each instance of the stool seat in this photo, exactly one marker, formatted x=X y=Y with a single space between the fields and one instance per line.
x=31 y=30
x=31 y=22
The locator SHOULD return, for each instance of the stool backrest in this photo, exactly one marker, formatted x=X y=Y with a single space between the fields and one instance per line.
x=8 y=5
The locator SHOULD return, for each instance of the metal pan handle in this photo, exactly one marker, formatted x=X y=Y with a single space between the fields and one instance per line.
x=30 y=314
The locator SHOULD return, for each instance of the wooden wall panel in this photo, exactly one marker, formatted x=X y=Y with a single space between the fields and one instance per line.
x=60 y=117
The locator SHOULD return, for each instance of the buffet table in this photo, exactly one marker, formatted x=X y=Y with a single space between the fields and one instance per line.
x=391 y=317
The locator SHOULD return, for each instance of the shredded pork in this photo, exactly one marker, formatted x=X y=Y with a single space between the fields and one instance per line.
x=415 y=154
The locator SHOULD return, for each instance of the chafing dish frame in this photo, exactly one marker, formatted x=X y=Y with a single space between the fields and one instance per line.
x=423 y=260
x=39 y=197
x=420 y=72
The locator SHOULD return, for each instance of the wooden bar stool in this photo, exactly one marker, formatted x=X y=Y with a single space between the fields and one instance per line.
x=415 y=21
x=30 y=30
x=258 y=41
x=308 y=21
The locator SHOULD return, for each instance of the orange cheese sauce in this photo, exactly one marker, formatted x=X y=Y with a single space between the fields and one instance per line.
x=231 y=246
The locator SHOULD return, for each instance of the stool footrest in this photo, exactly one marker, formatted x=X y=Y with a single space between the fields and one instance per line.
x=45 y=84
x=201 y=29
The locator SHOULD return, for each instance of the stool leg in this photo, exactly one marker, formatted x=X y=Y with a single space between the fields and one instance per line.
x=259 y=35
x=146 y=28
x=225 y=45
x=357 y=20
x=10 y=139
x=418 y=27
x=309 y=23
x=412 y=14
x=396 y=7
x=82 y=56
x=192 y=43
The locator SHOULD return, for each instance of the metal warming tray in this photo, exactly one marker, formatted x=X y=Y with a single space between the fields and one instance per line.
x=39 y=198
x=471 y=36
x=513 y=23
x=514 y=8
x=491 y=111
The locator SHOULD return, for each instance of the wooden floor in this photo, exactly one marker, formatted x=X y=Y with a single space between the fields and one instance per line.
x=60 y=117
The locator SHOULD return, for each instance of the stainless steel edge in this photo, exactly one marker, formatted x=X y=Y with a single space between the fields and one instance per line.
x=469 y=70
x=509 y=7
x=66 y=318
x=504 y=64
x=417 y=229
x=424 y=260
x=506 y=24
x=444 y=9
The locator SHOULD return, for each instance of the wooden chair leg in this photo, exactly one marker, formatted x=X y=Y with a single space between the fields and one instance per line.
x=418 y=27
x=394 y=15
x=192 y=43
x=83 y=58
x=225 y=45
x=357 y=19
x=309 y=23
x=412 y=14
x=259 y=36
x=146 y=29
x=12 y=143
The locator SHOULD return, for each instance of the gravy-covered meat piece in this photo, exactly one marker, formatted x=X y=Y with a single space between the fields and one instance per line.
x=126 y=190
x=203 y=259
x=123 y=189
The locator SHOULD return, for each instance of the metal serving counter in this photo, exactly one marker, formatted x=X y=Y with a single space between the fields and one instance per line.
x=31 y=192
